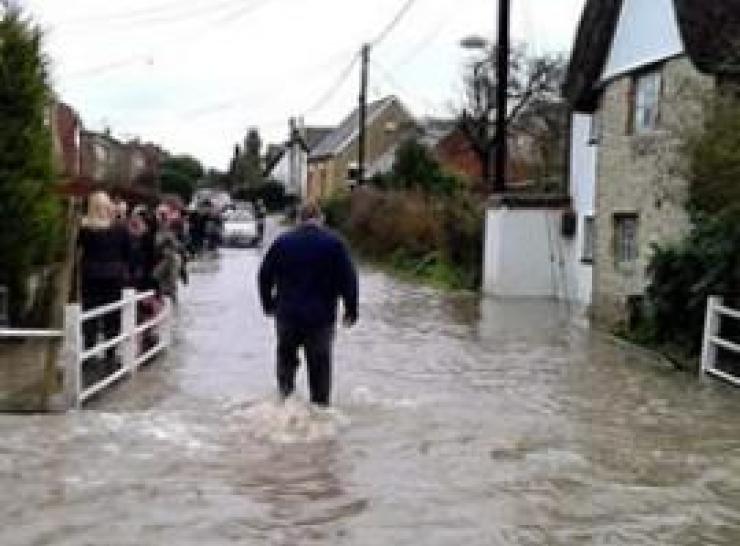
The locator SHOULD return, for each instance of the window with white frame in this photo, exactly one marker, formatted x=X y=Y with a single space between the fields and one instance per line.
x=626 y=247
x=589 y=239
x=647 y=101
x=595 y=129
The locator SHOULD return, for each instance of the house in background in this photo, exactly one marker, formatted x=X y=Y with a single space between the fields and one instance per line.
x=65 y=130
x=288 y=164
x=97 y=157
x=130 y=169
x=332 y=165
x=638 y=73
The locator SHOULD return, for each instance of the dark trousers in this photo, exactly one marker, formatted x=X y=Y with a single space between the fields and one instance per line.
x=111 y=322
x=317 y=346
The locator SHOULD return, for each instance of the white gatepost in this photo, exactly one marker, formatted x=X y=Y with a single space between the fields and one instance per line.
x=168 y=322
x=711 y=330
x=71 y=353
x=128 y=329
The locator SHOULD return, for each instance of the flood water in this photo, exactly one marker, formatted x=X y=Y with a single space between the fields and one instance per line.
x=456 y=421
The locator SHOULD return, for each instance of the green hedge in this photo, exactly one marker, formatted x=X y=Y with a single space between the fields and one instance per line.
x=30 y=225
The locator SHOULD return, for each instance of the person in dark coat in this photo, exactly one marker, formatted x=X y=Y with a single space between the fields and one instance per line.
x=105 y=261
x=260 y=214
x=301 y=280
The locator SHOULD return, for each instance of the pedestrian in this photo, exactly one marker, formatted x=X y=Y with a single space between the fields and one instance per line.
x=260 y=214
x=301 y=280
x=168 y=269
x=142 y=229
x=105 y=258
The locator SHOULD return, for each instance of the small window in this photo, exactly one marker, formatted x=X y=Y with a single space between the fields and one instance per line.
x=589 y=239
x=625 y=238
x=647 y=102
x=594 y=134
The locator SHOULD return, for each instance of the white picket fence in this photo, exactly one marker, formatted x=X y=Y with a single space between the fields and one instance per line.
x=73 y=355
x=712 y=340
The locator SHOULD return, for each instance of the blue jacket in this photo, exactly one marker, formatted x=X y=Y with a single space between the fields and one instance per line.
x=304 y=274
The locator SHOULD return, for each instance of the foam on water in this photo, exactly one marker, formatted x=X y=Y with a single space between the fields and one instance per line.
x=291 y=421
x=364 y=396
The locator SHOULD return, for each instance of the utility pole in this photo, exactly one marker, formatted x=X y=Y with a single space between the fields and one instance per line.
x=291 y=154
x=502 y=88
x=362 y=115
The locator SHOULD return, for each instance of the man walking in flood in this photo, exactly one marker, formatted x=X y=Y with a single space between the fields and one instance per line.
x=302 y=278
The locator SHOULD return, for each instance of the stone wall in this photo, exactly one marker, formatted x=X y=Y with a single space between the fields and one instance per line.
x=28 y=376
x=641 y=174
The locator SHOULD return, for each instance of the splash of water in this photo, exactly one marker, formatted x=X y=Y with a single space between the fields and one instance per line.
x=291 y=421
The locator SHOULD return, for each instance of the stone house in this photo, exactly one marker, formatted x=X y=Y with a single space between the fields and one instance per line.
x=637 y=76
x=333 y=164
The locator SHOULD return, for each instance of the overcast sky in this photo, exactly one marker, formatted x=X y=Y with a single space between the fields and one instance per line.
x=194 y=75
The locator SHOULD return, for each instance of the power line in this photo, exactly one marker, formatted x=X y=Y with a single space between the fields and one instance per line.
x=329 y=94
x=394 y=22
x=448 y=18
x=225 y=17
x=238 y=100
x=168 y=11
x=389 y=78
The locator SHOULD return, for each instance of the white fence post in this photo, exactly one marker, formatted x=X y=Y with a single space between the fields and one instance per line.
x=711 y=329
x=71 y=354
x=167 y=322
x=128 y=329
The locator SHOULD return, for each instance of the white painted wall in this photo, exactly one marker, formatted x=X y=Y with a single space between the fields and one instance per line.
x=583 y=164
x=647 y=32
x=292 y=171
x=524 y=253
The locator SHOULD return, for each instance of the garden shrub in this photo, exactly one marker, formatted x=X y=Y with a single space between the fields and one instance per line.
x=30 y=219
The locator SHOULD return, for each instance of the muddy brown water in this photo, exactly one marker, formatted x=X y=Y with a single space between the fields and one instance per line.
x=456 y=421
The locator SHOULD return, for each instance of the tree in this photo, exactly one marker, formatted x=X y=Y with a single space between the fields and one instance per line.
x=414 y=167
x=30 y=219
x=246 y=166
x=180 y=175
x=533 y=81
x=713 y=152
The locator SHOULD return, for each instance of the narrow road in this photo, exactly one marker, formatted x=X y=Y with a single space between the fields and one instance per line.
x=457 y=421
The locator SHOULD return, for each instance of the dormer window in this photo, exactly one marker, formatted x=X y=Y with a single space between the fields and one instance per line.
x=646 y=102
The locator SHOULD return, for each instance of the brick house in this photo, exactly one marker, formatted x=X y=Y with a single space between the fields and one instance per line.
x=331 y=163
x=98 y=157
x=131 y=168
x=65 y=128
x=455 y=153
x=637 y=74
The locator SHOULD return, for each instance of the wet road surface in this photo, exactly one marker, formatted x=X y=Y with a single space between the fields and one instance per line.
x=457 y=421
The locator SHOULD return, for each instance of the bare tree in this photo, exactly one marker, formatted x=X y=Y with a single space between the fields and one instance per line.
x=533 y=86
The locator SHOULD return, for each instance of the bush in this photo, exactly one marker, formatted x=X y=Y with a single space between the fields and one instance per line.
x=683 y=276
x=713 y=151
x=707 y=262
x=30 y=218
x=336 y=211
x=415 y=168
x=436 y=239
